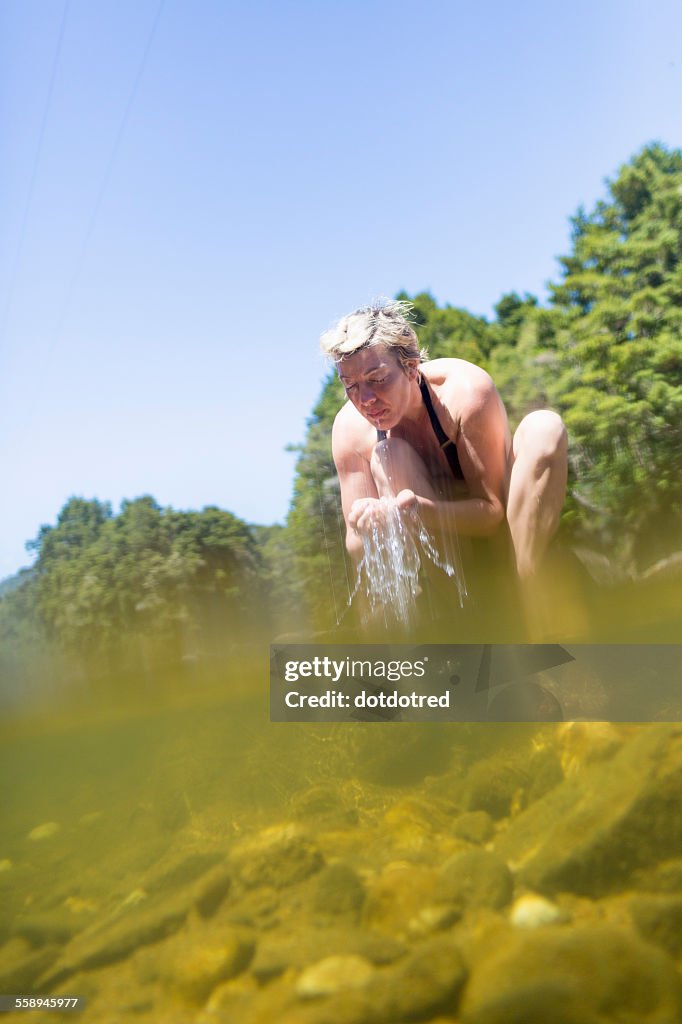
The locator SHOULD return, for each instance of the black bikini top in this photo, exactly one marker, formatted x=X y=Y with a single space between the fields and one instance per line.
x=447 y=445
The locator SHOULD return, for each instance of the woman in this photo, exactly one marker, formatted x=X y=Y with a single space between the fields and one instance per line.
x=433 y=436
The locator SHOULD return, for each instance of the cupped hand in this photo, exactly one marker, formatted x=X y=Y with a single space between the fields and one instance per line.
x=368 y=512
x=407 y=501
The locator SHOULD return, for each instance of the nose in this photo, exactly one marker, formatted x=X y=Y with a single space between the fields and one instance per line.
x=367 y=396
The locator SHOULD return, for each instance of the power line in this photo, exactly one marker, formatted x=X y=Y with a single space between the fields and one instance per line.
x=107 y=174
x=34 y=172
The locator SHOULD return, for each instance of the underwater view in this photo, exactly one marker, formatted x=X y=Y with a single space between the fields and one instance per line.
x=171 y=855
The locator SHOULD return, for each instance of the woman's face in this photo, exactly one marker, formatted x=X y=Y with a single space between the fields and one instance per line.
x=377 y=385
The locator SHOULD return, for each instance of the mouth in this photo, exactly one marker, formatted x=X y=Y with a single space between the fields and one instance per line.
x=376 y=416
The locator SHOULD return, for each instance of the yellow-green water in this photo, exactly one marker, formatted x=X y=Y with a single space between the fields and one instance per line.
x=170 y=855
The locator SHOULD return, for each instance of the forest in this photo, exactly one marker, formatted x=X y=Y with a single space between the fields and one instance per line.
x=111 y=591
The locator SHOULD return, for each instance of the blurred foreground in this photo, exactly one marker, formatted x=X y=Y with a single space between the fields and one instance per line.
x=171 y=855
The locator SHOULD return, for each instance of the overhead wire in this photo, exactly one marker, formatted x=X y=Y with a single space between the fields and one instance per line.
x=34 y=173
x=80 y=261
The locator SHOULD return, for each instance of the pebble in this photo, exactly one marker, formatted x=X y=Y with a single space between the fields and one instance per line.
x=333 y=974
x=44 y=831
x=278 y=856
x=532 y=911
x=476 y=878
x=199 y=971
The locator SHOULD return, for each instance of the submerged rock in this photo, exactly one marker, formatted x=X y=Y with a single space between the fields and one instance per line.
x=278 y=856
x=659 y=920
x=21 y=965
x=197 y=971
x=44 y=831
x=423 y=984
x=339 y=891
x=581 y=975
x=334 y=974
x=474 y=879
x=115 y=938
x=589 y=834
x=531 y=911
x=474 y=826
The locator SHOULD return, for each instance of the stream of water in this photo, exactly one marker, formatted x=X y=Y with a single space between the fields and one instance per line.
x=389 y=572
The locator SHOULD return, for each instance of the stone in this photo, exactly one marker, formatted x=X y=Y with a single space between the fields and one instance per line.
x=593 y=974
x=338 y=891
x=282 y=950
x=180 y=868
x=426 y=982
x=44 y=831
x=21 y=965
x=278 y=856
x=492 y=786
x=196 y=972
x=49 y=927
x=532 y=911
x=474 y=879
x=334 y=974
x=398 y=894
x=589 y=834
x=658 y=918
x=475 y=827
x=211 y=890
x=663 y=877
x=119 y=935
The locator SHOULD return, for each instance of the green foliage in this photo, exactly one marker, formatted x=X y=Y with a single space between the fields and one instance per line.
x=619 y=321
x=147 y=582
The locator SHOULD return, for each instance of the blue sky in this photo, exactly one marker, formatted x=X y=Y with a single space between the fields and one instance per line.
x=194 y=190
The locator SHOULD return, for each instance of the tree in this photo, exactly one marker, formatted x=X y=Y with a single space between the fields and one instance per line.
x=619 y=326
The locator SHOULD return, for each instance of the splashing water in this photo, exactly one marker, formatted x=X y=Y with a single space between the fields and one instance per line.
x=391 y=564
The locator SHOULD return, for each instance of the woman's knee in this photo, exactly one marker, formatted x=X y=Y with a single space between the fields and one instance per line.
x=389 y=451
x=542 y=435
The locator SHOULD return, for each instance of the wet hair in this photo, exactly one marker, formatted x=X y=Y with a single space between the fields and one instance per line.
x=383 y=322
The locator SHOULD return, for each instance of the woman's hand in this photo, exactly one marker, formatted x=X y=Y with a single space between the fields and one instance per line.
x=368 y=512
x=407 y=501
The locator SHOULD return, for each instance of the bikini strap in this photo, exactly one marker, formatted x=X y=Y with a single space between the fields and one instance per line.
x=446 y=443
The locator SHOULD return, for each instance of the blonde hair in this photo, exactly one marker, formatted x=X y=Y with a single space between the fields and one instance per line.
x=383 y=322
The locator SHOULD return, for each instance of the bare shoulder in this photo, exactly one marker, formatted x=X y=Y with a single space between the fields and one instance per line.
x=461 y=385
x=352 y=436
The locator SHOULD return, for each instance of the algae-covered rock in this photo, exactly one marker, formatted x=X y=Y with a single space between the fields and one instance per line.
x=492 y=785
x=197 y=971
x=278 y=856
x=589 y=834
x=179 y=868
x=594 y=974
x=426 y=982
x=21 y=965
x=54 y=926
x=116 y=937
x=339 y=891
x=45 y=831
x=475 y=879
x=658 y=919
x=334 y=974
x=298 y=948
x=532 y=911
x=396 y=896
x=474 y=826
x=210 y=891
x=663 y=877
